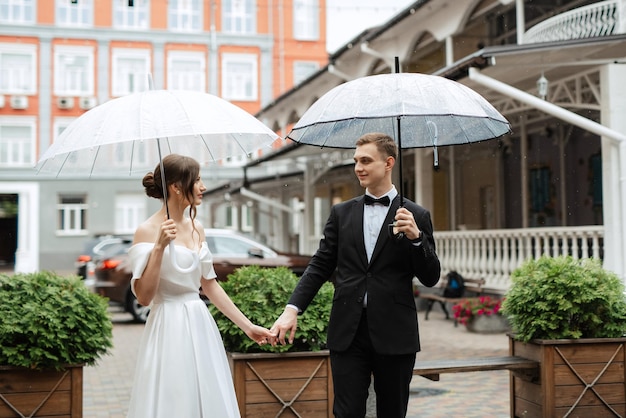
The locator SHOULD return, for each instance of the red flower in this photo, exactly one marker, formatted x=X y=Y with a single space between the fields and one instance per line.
x=470 y=307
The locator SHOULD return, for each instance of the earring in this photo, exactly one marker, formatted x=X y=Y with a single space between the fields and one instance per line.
x=177 y=191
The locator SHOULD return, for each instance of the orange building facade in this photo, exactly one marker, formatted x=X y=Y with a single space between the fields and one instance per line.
x=61 y=58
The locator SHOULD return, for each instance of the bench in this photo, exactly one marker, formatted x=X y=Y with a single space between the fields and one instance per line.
x=524 y=368
x=472 y=285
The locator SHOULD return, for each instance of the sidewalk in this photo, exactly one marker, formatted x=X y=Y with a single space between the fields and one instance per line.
x=478 y=394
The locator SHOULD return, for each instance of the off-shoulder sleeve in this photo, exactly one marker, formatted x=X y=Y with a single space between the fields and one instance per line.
x=206 y=262
x=138 y=256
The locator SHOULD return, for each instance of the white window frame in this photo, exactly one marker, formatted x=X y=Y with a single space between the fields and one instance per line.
x=72 y=217
x=77 y=14
x=130 y=211
x=186 y=78
x=234 y=215
x=185 y=15
x=306 y=20
x=303 y=70
x=66 y=76
x=232 y=80
x=19 y=11
x=23 y=149
x=131 y=17
x=140 y=77
x=21 y=79
x=239 y=16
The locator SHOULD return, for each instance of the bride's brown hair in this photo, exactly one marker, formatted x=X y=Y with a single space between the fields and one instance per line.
x=180 y=170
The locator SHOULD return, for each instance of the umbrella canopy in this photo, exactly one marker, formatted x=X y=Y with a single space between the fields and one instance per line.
x=433 y=111
x=131 y=133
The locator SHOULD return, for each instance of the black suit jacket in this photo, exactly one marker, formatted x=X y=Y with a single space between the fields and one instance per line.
x=387 y=278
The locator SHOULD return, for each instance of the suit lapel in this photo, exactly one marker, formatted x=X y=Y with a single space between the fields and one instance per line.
x=357 y=229
x=383 y=234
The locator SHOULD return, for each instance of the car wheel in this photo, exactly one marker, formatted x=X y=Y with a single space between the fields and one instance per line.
x=139 y=312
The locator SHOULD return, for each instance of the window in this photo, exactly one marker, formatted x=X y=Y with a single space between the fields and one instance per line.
x=130 y=211
x=17 y=11
x=73 y=71
x=186 y=71
x=306 y=20
x=18 y=69
x=185 y=15
x=77 y=13
x=239 y=77
x=239 y=16
x=72 y=215
x=130 y=14
x=17 y=141
x=130 y=71
x=302 y=70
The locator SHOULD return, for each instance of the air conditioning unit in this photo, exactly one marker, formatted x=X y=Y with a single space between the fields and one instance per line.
x=1 y=101
x=19 y=102
x=87 y=102
x=65 y=102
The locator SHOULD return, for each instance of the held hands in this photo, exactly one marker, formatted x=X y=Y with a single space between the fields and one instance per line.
x=286 y=326
x=261 y=335
x=405 y=223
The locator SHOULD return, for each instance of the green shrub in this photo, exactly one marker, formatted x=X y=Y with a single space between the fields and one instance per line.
x=49 y=321
x=261 y=294
x=565 y=298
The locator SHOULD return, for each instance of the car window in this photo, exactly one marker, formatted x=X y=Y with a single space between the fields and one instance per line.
x=232 y=246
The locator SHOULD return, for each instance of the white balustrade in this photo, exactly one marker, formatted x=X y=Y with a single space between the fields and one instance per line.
x=599 y=19
x=494 y=254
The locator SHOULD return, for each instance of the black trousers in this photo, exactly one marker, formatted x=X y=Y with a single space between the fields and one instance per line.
x=352 y=373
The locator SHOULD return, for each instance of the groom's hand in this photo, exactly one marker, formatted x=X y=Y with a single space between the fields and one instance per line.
x=285 y=326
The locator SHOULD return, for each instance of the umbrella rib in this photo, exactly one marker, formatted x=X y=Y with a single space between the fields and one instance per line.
x=93 y=164
x=206 y=145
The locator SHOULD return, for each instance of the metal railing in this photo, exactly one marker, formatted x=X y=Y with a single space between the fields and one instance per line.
x=494 y=254
x=599 y=19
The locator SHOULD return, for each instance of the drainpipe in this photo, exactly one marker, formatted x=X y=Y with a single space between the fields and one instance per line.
x=520 y=21
x=270 y=202
x=558 y=112
x=365 y=48
x=547 y=107
x=334 y=71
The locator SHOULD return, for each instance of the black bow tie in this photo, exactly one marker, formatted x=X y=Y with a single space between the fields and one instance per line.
x=369 y=200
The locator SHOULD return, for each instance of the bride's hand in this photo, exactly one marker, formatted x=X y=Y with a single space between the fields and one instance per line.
x=261 y=335
x=167 y=233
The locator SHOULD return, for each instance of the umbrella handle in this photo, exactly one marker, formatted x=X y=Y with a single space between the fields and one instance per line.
x=178 y=268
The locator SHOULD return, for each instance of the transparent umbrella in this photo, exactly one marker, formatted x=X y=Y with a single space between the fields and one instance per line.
x=417 y=110
x=131 y=133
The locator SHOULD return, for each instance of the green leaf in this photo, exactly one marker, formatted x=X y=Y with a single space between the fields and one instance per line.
x=261 y=294
x=49 y=321
x=563 y=298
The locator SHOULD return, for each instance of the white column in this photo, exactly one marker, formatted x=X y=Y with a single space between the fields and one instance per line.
x=27 y=253
x=613 y=109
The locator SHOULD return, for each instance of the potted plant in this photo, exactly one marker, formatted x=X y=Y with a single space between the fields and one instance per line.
x=481 y=314
x=50 y=327
x=286 y=379
x=570 y=316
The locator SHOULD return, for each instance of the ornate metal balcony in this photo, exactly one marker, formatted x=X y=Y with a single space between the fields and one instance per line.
x=599 y=19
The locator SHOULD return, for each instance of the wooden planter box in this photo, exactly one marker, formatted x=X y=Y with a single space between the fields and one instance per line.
x=577 y=378
x=33 y=393
x=283 y=385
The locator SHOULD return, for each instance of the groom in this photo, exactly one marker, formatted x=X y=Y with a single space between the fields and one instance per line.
x=373 y=328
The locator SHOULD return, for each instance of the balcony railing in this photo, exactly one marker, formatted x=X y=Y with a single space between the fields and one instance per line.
x=494 y=254
x=599 y=19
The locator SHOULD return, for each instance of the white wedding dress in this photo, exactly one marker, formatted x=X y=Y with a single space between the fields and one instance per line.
x=182 y=369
